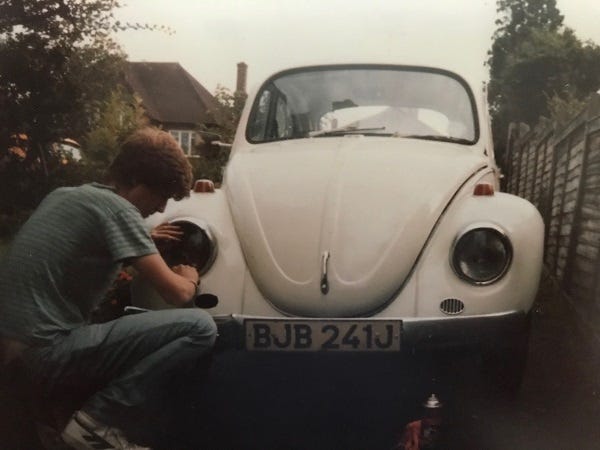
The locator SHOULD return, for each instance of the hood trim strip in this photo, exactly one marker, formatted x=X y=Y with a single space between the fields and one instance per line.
x=426 y=243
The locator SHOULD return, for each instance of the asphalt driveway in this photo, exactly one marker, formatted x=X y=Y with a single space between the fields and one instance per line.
x=345 y=401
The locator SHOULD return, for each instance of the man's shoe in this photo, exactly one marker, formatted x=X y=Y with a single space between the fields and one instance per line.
x=49 y=437
x=84 y=433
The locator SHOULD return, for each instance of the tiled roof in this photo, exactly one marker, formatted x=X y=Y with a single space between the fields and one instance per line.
x=169 y=93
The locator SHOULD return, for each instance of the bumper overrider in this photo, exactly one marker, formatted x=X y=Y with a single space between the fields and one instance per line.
x=412 y=334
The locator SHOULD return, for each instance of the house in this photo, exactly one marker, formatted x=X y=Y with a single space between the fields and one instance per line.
x=173 y=99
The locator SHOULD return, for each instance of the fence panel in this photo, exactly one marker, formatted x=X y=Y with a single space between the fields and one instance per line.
x=558 y=170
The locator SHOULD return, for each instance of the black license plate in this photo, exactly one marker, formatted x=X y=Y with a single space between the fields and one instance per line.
x=322 y=335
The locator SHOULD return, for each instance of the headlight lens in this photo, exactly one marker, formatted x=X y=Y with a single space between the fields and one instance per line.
x=481 y=255
x=196 y=248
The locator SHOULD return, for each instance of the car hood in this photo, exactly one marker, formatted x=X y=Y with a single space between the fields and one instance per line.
x=332 y=227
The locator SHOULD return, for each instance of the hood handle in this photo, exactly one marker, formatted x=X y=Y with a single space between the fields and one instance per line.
x=324 y=281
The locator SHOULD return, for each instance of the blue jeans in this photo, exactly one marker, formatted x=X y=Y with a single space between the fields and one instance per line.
x=124 y=364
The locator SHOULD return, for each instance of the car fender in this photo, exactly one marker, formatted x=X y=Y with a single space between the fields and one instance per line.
x=434 y=280
x=225 y=278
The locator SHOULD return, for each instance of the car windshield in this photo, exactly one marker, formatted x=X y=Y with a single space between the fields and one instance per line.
x=368 y=100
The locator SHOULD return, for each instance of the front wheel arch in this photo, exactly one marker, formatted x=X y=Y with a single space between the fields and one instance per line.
x=503 y=367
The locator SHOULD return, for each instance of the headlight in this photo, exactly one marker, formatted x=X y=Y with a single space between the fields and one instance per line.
x=481 y=255
x=196 y=248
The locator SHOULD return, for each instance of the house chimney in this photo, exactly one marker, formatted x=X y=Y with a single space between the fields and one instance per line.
x=242 y=73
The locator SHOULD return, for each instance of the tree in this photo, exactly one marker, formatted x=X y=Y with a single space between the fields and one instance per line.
x=537 y=66
x=544 y=65
x=58 y=64
x=227 y=116
x=228 y=112
x=517 y=20
x=120 y=115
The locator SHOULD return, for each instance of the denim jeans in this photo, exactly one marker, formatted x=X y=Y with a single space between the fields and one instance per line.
x=124 y=364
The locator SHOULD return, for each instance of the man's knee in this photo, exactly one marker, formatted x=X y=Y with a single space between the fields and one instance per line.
x=202 y=326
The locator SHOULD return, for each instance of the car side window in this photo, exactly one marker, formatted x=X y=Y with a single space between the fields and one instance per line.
x=273 y=119
x=259 y=123
x=283 y=124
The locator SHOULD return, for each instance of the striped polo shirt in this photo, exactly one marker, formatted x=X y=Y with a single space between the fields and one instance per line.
x=65 y=258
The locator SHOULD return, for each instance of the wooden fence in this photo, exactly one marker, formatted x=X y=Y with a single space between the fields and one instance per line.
x=558 y=170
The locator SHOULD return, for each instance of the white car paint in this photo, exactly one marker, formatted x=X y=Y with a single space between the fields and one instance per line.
x=385 y=210
x=346 y=199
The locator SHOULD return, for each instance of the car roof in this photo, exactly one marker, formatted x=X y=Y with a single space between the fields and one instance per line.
x=472 y=71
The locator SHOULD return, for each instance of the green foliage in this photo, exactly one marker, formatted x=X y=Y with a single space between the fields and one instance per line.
x=23 y=187
x=59 y=20
x=228 y=112
x=545 y=65
x=208 y=168
x=100 y=146
x=59 y=65
x=562 y=109
x=120 y=114
x=227 y=115
x=533 y=60
x=516 y=20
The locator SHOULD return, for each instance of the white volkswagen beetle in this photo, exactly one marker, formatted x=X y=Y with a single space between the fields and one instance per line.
x=360 y=211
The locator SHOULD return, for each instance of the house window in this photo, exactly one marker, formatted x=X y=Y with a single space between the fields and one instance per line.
x=185 y=138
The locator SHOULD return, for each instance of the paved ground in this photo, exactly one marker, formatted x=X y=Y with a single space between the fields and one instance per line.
x=559 y=404
x=344 y=402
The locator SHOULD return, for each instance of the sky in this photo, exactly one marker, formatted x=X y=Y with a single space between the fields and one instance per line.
x=209 y=37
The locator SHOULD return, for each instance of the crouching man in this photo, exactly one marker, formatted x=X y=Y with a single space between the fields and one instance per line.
x=61 y=264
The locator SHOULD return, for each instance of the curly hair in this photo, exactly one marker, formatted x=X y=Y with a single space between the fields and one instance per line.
x=152 y=157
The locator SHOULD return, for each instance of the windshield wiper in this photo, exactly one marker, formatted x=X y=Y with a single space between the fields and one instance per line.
x=349 y=129
x=437 y=137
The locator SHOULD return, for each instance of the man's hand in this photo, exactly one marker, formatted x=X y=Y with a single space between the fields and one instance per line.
x=187 y=272
x=166 y=232
x=176 y=285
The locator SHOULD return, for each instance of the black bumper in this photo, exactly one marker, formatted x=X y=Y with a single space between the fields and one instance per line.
x=419 y=334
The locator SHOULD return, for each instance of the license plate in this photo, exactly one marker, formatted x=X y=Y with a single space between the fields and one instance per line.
x=322 y=335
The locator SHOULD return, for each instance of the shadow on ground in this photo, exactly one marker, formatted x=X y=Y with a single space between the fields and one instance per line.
x=350 y=401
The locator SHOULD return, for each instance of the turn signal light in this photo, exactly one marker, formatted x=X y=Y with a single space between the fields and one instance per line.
x=202 y=186
x=483 y=189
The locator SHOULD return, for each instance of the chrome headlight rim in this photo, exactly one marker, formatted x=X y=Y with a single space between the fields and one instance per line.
x=206 y=229
x=501 y=234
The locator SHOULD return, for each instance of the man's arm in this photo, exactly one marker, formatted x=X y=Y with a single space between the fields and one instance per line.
x=176 y=286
